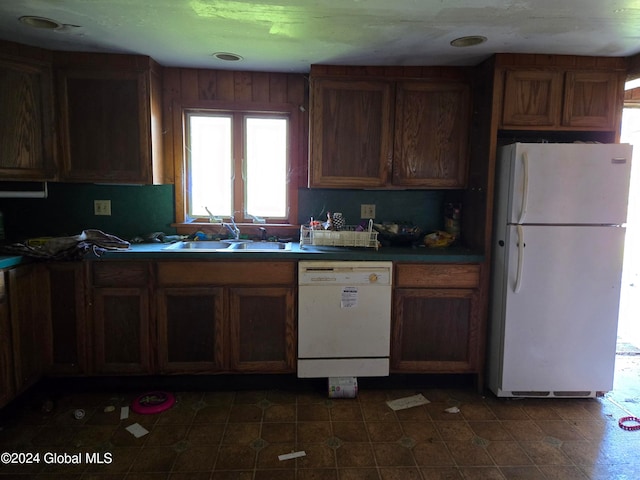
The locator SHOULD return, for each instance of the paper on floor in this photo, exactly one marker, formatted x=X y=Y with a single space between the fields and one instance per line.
x=137 y=430
x=124 y=413
x=289 y=456
x=407 y=402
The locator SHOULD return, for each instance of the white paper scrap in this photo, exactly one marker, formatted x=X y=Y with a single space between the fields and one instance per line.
x=452 y=410
x=137 y=430
x=124 y=413
x=289 y=456
x=407 y=402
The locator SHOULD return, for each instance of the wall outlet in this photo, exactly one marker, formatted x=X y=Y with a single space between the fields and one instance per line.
x=102 y=207
x=367 y=211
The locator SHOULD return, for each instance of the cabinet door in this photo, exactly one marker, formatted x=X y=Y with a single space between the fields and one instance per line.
x=121 y=330
x=7 y=388
x=104 y=126
x=30 y=323
x=435 y=330
x=68 y=319
x=262 y=322
x=351 y=141
x=590 y=99
x=531 y=98
x=431 y=134
x=191 y=330
x=26 y=126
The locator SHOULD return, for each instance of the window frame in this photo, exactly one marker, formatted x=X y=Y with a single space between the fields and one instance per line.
x=238 y=111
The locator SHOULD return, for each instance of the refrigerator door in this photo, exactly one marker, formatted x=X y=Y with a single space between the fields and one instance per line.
x=560 y=309
x=567 y=183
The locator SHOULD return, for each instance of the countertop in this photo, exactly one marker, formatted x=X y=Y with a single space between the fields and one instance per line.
x=400 y=254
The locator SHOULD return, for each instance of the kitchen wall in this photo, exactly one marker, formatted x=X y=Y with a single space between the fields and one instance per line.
x=138 y=210
x=68 y=210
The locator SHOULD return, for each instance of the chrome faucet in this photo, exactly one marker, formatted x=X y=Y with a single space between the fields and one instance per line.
x=233 y=228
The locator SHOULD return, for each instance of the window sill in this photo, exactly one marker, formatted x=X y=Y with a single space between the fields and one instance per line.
x=251 y=229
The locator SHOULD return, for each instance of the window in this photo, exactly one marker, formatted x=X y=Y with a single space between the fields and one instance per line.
x=237 y=164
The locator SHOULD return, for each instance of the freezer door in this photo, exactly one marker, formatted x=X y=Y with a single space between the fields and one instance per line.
x=561 y=314
x=566 y=183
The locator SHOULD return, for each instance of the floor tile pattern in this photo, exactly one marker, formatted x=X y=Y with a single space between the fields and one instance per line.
x=224 y=435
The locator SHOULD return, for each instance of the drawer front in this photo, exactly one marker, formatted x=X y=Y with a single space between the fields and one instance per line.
x=437 y=276
x=172 y=273
x=119 y=274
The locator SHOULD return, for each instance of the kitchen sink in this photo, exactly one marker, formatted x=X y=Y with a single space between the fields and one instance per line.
x=260 y=246
x=202 y=246
x=228 y=246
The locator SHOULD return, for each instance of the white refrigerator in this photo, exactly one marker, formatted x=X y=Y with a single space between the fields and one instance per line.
x=557 y=255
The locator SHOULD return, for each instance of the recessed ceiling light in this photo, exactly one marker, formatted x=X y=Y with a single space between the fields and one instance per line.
x=40 y=22
x=227 y=57
x=469 y=41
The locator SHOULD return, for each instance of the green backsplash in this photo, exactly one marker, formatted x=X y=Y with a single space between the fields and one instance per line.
x=135 y=210
x=423 y=208
x=141 y=209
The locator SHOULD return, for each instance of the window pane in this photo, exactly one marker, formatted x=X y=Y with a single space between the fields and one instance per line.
x=266 y=167
x=210 y=165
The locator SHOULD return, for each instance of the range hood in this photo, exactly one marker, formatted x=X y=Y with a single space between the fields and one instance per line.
x=23 y=190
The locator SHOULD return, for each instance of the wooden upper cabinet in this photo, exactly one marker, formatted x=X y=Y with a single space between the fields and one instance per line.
x=590 y=99
x=431 y=134
x=26 y=128
x=109 y=120
x=531 y=98
x=555 y=97
x=404 y=128
x=351 y=133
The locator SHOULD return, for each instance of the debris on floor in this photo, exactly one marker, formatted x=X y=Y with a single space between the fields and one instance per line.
x=407 y=402
x=137 y=430
x=292 y=455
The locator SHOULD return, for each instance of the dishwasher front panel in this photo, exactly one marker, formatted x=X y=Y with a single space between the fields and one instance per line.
x=344 y=318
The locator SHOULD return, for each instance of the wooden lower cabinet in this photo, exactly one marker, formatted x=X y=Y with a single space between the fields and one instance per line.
x=262 y=327
x=120 y=317
x=30 y=324
x=7 y=382
x=191 y=328
x=226 y=316
x=69 y=333
x=436 y=320
x=121 y=330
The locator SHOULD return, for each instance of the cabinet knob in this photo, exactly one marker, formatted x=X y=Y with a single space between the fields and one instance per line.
x=373 y=278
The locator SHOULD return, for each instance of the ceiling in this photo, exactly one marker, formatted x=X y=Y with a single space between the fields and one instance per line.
x=290 y=35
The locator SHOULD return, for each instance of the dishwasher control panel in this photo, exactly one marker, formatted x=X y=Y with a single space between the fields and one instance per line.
x=344 y=273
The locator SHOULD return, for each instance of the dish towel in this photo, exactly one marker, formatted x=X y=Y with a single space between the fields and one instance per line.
x=70 y=248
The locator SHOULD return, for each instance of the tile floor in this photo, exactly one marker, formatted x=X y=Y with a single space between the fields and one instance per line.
x=239 y=434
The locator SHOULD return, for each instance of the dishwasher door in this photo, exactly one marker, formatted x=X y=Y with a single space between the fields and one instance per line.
x=344 y=318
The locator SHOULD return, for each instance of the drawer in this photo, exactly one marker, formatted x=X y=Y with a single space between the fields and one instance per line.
x=226 y=273
x=119 y=274
x=437 y=275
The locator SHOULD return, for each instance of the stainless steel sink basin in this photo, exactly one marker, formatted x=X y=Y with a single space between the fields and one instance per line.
x=202 y=246
x=260 y=246
x=228 y=246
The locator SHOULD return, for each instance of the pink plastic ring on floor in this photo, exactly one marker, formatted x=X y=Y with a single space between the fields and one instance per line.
x=623 y=420
x=153 y=402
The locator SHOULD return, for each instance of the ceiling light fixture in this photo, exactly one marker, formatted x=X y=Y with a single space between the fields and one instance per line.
x=40 y=22
x=469 y=41
x=227 y=57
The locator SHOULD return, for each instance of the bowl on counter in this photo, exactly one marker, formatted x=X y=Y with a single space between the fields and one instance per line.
x=398 y=234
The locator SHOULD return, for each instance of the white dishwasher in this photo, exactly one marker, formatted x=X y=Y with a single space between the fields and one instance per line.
x=344 y=318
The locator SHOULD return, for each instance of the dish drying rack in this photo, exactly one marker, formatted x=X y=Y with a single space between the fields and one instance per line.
x=347 y=237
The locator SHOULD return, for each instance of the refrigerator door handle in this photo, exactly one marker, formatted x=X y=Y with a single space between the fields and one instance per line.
x=525 y=187
x=516 y=287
